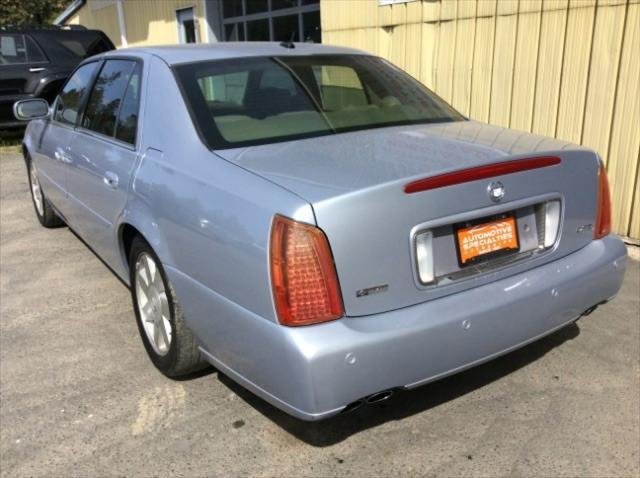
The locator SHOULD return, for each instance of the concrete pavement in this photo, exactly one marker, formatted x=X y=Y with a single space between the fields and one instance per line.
x=79 y=397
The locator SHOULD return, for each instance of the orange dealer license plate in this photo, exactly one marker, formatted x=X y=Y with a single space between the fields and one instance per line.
x=498 y=236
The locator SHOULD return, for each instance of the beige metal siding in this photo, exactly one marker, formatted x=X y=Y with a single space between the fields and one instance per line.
x=564 y=68
x=105 y=19
x=154 y=22
x=147 y=22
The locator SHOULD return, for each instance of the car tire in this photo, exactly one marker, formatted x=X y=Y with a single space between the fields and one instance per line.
x=44 y=211
x=169 y=343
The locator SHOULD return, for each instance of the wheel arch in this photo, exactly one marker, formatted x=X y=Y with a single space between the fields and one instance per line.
x=25 y=153
x=126 y=234
x=129 y=228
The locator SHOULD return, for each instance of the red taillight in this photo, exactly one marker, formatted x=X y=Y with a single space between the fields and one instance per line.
x=603 y=211
x=303 y=276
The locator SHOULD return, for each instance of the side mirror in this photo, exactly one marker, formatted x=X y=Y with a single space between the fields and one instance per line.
x=35 y=108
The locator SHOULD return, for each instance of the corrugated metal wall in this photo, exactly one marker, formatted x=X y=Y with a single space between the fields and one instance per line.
x=147 y=22
x=105 y=19
x=563 y=68
x=154 y=22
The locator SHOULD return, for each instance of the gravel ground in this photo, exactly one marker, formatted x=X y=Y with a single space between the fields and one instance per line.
x=79 y=397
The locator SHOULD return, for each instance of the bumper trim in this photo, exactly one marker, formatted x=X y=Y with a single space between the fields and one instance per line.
x=262 y=393
x=314 y=372
x=491 y=357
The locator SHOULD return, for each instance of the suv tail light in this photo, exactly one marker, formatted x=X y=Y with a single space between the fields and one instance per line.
x=603 y=211
x=303 y=275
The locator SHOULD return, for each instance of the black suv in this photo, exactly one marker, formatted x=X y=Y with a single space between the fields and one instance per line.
x=36 y=61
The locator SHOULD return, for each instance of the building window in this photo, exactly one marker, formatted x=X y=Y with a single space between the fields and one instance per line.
x=187 y=25
x=232 y=8
x=258 y=30
x=271 y=20
x=234 y=32
x=256 y=6
x=286 y=28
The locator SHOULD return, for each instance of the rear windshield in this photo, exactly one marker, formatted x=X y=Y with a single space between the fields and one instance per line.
x=251 y=101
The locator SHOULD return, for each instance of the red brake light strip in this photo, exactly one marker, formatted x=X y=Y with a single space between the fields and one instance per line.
x=480 y=172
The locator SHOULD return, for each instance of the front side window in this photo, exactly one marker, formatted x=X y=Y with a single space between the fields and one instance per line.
x=73 y=94
x=106 y=97
x=249 y=101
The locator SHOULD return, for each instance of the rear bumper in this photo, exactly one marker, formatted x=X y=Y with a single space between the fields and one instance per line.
x=314 y=372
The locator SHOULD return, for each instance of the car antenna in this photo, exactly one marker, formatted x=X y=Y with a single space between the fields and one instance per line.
x=289 y=44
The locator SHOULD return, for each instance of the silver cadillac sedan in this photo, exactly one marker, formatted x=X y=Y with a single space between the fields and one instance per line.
x=314 y=222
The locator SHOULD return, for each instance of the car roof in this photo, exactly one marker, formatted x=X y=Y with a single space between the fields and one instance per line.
x=175 y=54
x=31 y=30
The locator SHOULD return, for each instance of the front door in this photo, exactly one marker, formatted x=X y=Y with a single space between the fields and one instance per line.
x=103 y=156
x=51 y=157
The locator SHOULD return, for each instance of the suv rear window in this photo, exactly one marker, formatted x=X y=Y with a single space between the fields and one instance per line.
x=16 y=49
x=80 y=44
x=250 y=101
x=84 y=47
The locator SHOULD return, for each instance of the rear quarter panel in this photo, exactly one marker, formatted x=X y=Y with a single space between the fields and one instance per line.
x=207 y=219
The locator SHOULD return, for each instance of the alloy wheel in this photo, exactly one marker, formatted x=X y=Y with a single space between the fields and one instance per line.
x=153 y=304
x=36 y=191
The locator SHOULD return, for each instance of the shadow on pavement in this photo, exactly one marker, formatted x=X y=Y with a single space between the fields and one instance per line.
x=404 y=403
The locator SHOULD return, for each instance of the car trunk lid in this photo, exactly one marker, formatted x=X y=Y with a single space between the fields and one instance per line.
x=356 y=185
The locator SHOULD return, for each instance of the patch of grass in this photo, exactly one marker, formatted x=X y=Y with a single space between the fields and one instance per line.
x=10 y=141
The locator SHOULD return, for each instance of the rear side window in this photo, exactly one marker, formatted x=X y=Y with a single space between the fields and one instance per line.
x=73 y=94
x=34 y=52
x=106 y=97
x=16 y=49
x=127 y=124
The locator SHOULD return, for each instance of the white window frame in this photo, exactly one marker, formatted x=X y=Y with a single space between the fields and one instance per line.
x=196 y=25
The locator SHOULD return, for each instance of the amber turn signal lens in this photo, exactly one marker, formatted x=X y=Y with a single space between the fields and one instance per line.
x=303 y=275
x=603 y=212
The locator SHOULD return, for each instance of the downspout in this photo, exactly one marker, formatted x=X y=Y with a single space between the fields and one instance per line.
x=121 y=24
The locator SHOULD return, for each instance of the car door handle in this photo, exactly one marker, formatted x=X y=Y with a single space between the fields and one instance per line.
x=36 y=70
x=110 y=179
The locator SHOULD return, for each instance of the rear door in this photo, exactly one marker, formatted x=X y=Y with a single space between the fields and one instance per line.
x=52 y=156
x=21 y=65
x=103 y=154
x=20 y=58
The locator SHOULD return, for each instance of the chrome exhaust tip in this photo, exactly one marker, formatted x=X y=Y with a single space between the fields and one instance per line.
x=379 y=397
x=589 y=311
x=352 y=406
x=372 y=399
